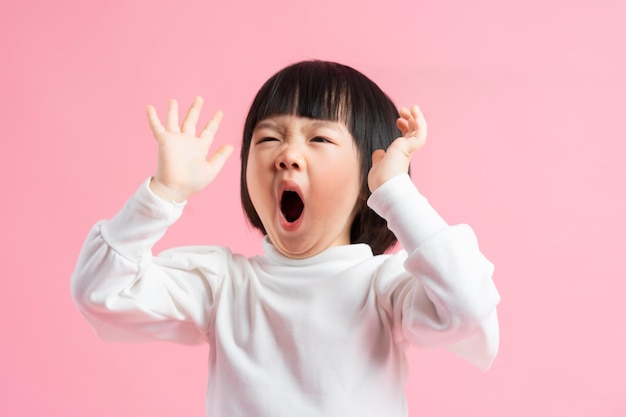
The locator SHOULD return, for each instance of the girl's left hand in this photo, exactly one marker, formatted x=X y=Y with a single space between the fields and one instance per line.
x=396 y=160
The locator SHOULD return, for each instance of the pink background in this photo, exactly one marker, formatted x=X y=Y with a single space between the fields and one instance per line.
x=525 y=103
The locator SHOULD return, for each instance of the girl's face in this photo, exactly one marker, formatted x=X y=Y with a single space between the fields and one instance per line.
x=303 y=179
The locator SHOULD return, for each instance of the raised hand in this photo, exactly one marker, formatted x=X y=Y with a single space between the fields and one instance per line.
x=396 y=159
x=183 y=168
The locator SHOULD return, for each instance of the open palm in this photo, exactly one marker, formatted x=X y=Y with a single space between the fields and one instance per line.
x=396 y=158
x=183 y=168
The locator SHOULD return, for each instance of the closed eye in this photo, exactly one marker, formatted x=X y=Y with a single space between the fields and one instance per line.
x=267 y=139
x=320 y=139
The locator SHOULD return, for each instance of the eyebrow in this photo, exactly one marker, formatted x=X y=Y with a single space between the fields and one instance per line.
x=329 y=123
x=266 y=124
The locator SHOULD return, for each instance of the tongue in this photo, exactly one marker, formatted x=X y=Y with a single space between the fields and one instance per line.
x=291 y=205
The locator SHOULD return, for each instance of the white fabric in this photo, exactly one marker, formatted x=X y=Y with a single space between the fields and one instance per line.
x=323 y=336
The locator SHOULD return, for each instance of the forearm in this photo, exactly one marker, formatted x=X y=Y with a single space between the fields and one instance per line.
x=452 y=299
x=123 y=291
x=142 y=222
x=409 y=215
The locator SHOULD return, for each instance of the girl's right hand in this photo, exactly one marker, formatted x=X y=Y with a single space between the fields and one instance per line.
x=183 y=168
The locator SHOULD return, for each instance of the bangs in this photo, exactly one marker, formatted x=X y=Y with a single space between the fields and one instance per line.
x=317 y=92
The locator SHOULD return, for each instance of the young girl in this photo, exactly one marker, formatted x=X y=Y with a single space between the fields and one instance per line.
x=318 y=325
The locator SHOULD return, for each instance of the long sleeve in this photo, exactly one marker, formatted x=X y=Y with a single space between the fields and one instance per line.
x=449 y=299
x=126 y=293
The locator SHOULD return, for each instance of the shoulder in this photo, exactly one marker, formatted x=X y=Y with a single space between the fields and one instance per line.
x=202 y=257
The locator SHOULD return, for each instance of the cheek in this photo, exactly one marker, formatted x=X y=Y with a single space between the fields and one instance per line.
x=256 y=186
x=343 y=184
x=251 y=182
x=350 y=174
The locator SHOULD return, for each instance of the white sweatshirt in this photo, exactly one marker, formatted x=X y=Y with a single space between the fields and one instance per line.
x=323 y=336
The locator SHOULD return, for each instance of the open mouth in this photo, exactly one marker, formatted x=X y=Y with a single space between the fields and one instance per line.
x=291 y=205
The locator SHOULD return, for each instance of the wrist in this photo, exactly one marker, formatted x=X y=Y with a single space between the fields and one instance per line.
x=167 y=193
x=376 y=183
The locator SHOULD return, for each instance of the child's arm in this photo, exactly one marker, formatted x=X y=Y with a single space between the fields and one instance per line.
x=118 y=285
x=449 y=299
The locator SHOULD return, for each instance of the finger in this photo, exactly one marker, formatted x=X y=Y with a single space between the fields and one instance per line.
x=191 y=118
x=407 y=145
x=219 y=158
x=153 y=119
x=403 y=125
x=404 y=122
x=419 y=119
x=405 y=113
x=416 y=112
x=171 y=121
x=412 y=122
x=211 y=127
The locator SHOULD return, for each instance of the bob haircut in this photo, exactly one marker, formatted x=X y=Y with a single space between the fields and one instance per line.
x=330 y=91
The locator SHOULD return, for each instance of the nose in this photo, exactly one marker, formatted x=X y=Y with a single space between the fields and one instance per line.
x=290 y=158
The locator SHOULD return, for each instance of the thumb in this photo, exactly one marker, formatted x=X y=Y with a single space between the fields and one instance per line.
x=216 y=163
x=219 y=158
x=377 y=156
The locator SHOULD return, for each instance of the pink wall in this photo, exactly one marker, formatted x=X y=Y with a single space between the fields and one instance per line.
x=525 y=102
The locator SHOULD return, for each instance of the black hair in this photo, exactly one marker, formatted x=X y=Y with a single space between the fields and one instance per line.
x=330 y=91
